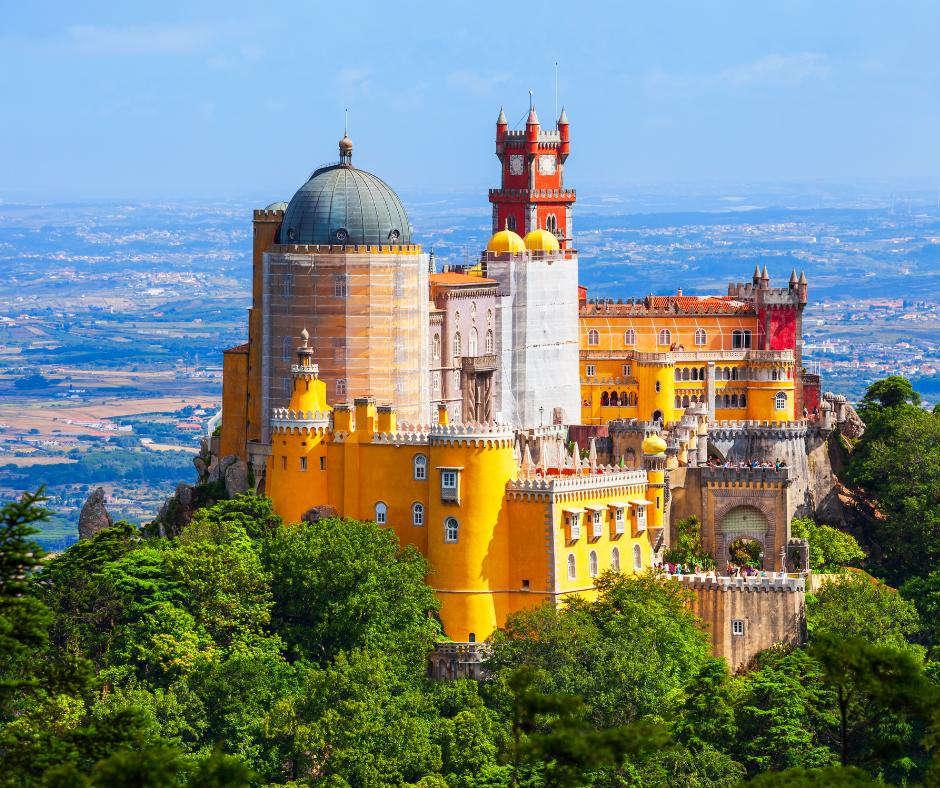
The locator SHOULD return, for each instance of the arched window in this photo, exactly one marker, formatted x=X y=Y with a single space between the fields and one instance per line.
x=288 y=384
x=773 y=374
x=605 y=399
x=727 y=401
x=665 y=336
x=780 y=401
x=381 y=513
x=511 y=222
x=734 y=400
x=572 y=567
x=743 y=400
x=339 y=351
x=615 y=559
x=658 y=387
x=685 y=401
x=614 y=399
x=472 y=350
x=592 y=563
x=417 y=514
x=678 y=374
x=700 y=336
x=678 y=401
x=727 y=373
x=457 y=347
x=686 y=374
x=421 y=467
x=551 y=223
x=489 y=343
x=340 y=388
x=637 y=557
x=436 y=346
x=701 y=373
x=694 y=400
x=594 y=338
x=285 y=349
x=694 y=373
x=734 y=373
x=629 y=337
x=451 y=529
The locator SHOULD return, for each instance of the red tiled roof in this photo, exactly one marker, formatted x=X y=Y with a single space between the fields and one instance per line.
x=239 y=349
x=458 y=279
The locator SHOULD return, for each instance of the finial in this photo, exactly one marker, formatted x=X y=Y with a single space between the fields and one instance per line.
x=530 y=99
x=506 y=226
x=304 y=336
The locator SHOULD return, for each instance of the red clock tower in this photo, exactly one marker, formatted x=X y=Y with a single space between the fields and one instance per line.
x=533 y=193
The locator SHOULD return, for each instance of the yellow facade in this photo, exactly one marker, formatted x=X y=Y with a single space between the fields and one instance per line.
x=498 y=537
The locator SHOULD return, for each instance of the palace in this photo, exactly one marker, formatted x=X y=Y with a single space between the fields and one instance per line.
x=456 y=407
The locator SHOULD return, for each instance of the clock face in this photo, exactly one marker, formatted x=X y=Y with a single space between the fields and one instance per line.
x=516 y=164
x=547 y=165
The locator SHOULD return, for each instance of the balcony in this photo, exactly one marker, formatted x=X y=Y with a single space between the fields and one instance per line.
x=478 y=363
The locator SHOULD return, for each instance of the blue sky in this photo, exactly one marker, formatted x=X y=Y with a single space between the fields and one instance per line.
x=233 y=100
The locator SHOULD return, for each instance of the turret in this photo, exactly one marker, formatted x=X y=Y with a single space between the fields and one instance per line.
x=793 y=281
x=755 y=280
x=501 y=126
x=531 y=144
x=563 y=135
x=654 y=463
x=765 y=280
x=801 y=288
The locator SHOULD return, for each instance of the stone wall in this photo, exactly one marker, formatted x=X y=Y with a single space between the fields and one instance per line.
x=771 y=610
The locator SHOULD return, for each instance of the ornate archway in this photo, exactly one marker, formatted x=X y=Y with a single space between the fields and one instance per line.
x=744 y=521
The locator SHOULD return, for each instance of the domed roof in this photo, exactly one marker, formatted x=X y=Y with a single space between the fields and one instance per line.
x=654 y=445
x=541 y=240
x=505 y=241
x=346 y=206
x=277 y=206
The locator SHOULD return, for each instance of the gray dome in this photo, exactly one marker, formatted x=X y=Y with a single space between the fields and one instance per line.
x=343 y=205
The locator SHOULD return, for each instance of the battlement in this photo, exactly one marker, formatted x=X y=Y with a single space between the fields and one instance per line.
x=264 y=215
x=791 y=583
x=284 y=420
x=337 y=249
x=487 y=434
x=530 y=195
x=711 y=474
x=610 y=479
x=780 y=358
x=402 y=437
x=788 y=430
x=664 y=306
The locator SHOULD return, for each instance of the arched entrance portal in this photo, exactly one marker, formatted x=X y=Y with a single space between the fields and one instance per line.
x=713 y=452
x=747 y=523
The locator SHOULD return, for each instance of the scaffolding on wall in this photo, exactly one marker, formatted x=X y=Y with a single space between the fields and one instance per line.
x=367 y=316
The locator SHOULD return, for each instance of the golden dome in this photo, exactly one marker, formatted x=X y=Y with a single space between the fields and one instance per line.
x=506 y=241
x=540 y=240
x=654 y=445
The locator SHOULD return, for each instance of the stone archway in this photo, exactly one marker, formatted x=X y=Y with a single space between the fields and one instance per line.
x=744 y=521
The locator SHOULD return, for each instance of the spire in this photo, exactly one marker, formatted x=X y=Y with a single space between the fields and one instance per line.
x=793 y=278
x=764 y=274
x=501 y=120
x=802 y=279
x=563 y=118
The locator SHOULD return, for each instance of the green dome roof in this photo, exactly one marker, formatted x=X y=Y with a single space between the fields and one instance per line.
x=343 y=205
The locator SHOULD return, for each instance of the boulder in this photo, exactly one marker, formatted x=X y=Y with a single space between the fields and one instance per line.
x=318 y=513
x=94 y=516
x=217 y=471
x=201 y=468
x=236 y=478
x=185 y=493
x=853 y=427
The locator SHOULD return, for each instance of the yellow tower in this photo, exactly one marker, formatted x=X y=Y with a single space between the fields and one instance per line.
x=654 y=462
x=299 y=436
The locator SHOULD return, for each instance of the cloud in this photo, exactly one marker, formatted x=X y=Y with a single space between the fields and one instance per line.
x=787 y=69
x=473 y=83
x=137 y=40
x=353 y=81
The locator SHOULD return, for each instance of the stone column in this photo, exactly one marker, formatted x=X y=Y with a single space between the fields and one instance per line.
x=711 y=391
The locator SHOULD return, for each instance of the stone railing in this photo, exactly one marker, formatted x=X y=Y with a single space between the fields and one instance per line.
x=475 y=434
x=673 y=356
x=478 y=363
x=593 y=482
x=791 y=583
x=719 y=475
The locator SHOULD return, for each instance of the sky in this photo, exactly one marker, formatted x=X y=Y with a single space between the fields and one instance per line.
x=241 y=101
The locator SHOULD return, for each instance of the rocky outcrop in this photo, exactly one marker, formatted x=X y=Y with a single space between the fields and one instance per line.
x=94 y=516
x=236 y=478
x=853 y=427
x=318 y=513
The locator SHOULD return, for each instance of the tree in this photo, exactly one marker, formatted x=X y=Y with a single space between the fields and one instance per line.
x=924 y=593
x=829 y=549
x=688 y=549
x=707 y=713
x=815 y=778
x=340 y=585
x=890 y=393
x=856 y=604
x=875 y=685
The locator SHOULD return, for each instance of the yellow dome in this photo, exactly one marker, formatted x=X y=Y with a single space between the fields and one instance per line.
x=506 y=241
x=654 y=445
x=541 y=241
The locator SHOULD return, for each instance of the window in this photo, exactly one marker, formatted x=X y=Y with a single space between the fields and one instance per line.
x=658 y=387
x=283 y=463
x=737 y=627
x=473 y=342
x=456 y=380
x=323 y=463
x=629 y=337
x=473 y=309
x=734 y=400
x=339 y=351
x=287 y=386
x=678 y=402
x=574 y=525
x=700 y=336
x=286 y=281
x=627 y=370
x=590 y=371
x=417 y=514
x=339 y=286
x=456 y=347
x=449 y=485
x=489 y=343
x=592 y=563
x=340 y=388
x=511 y=222
x=678 y=375
x=615 y=559
x=436 y=346
x=451 y=529
x=597 y=524
x=551 y=223
x=594 y=338
x=303 y=463
x=436 y=381
x=687 y=374
x=381 y=513
x=637 y=557
x=665 y=337
x=685 y=401
x=421 y=467
x=572 y=567
x=618 y=521
x=740 y=340
x=285 y=349
x=780 y=401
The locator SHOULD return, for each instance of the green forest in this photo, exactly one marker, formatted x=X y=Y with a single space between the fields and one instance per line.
x=247 y=651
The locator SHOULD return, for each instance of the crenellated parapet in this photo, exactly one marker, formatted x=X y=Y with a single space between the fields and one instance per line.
x=746 y=476
x=471 y=435
x=775 y=430
x=664 y=306
x=612 y=481
x=767 y=585
x=402 y=438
